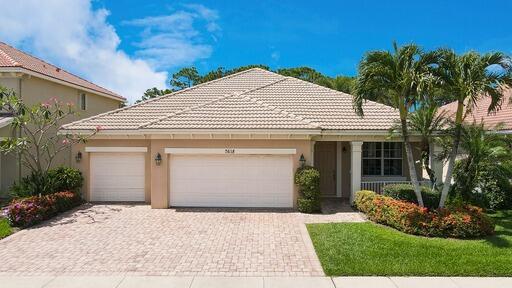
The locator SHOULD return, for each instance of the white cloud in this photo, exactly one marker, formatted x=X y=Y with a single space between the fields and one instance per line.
x=275 y=56
x=176 y=39
x=79 y=38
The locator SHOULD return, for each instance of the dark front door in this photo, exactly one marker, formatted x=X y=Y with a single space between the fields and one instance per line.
x=325 y=162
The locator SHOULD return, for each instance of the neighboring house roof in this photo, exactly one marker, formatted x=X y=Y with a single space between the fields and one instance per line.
x=251 y=99
x=480 y=113
x=11 y=57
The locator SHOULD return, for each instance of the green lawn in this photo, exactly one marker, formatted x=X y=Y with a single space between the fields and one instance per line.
x=5 y=228
x=371 y=249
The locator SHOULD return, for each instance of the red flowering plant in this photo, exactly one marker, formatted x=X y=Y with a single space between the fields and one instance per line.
x=29 y=211
x=460 y=222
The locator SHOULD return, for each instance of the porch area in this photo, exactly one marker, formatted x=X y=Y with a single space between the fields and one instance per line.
x=349 y=166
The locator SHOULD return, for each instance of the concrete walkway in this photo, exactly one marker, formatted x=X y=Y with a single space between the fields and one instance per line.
x=249 y=282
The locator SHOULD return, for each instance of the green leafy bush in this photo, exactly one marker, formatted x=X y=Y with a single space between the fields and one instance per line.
x=308 y=181
x=29 y=211
x=308 y=205
x=30 y=185
x=460 y=222
x=58 y=179
x=406 y=192
x=66 y=179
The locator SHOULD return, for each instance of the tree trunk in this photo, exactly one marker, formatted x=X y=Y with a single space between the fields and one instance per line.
x=425 y=156
x=410 y=158
x=453 y=155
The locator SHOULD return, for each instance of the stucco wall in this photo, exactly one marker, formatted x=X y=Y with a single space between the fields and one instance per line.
x=157 y=177
x=33 y=91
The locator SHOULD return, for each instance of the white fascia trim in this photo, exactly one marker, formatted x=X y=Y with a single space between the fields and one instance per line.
x=190 y=131
x=62 y=82
x=355 y=132
x=116 y=149
x=5 y=122
x=228 y=131
x=504 y=131
x=231 y=151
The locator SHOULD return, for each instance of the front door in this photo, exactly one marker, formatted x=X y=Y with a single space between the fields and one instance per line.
x=325 y=162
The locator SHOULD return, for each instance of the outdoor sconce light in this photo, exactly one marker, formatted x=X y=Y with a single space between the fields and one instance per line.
x=78 y=157
x=302 y=160
x=158 y=159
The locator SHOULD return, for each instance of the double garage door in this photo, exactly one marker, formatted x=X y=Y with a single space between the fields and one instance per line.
x=198 y=180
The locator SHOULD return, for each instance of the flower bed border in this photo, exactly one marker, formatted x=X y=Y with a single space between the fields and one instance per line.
x=461 y=222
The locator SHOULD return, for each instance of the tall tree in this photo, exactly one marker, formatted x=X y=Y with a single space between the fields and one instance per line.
x=304 y=73
x=466 y=79
x=426 y=121
x=485 y=168
x=153 y=93
x=397 y=78
x=186 y=77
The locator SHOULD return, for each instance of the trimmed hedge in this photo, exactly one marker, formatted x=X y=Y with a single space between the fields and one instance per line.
x=308 y=180
x=462 y=222
x=406 y=192
x=29 y=211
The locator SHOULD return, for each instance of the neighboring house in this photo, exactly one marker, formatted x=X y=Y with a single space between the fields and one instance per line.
x=500 y=120
x=36 y=81
x=479 y=113
x=236 y=142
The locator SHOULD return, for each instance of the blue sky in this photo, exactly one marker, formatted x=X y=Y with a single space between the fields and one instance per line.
x=131 y=45
x=331 y=36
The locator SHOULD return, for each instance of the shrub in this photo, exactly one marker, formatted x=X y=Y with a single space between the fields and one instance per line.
x=308 y=180
x=66 y=179
x=33 y=184
x=308 y=205
x=32 y=210
x=406 y=192
x=58 y=179
x=461 y=222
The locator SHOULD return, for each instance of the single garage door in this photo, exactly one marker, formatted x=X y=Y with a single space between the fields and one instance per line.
x=117 y=176
x=231 y=180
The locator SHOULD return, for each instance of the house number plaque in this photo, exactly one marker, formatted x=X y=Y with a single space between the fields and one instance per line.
x=229 y=151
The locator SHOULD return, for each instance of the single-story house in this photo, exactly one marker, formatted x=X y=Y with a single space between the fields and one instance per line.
x=236 y=142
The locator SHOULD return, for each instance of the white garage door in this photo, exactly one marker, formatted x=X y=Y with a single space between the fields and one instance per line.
x=231 y=180
x=117 y=176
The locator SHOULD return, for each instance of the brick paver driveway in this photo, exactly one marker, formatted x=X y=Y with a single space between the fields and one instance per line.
x=137 y=240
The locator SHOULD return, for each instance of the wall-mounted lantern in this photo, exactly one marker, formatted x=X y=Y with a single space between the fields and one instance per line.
x=78 y=157
x=302 y=160
x=158 y=159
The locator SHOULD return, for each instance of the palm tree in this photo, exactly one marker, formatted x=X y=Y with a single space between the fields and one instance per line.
x=426 y=121
x=486 y=152
x=396 y=78
x=466 y=79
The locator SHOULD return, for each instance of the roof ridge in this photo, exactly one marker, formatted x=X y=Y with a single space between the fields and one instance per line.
x=8 y=57
x=160 y=97
x=281 y=110
x=188 y=109
x=190 y=88
x=340 y=92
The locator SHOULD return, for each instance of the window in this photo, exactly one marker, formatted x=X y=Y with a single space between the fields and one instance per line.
x=83 y=101
x=382 y=159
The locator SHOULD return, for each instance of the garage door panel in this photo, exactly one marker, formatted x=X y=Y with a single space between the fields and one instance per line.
x=117 y=176
x=231 y=180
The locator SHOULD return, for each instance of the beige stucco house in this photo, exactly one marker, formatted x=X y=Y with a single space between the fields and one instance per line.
x=236 y=142
x=36 y=81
